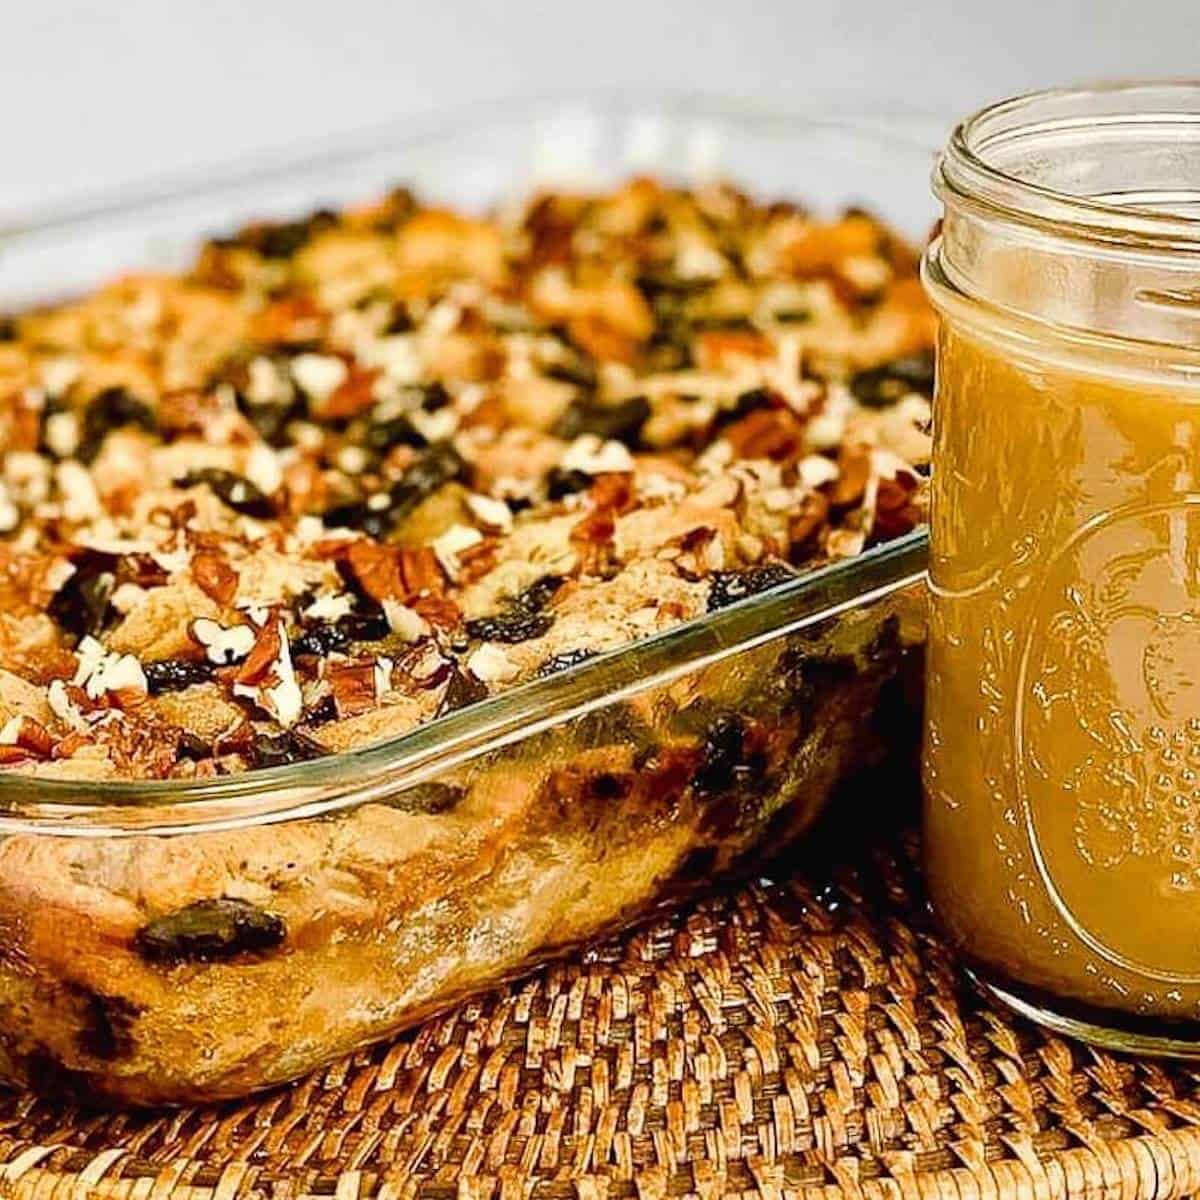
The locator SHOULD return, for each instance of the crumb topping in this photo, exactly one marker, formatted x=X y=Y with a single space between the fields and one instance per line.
x=351 y=472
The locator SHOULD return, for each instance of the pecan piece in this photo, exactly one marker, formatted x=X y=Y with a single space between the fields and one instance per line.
x=353 y=686
x=215 y=577
x=854 y=465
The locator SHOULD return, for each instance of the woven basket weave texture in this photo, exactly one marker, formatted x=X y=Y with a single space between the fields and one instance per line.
x=808 y=1037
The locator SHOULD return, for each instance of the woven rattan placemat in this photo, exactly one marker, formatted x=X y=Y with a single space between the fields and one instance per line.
x=806 y=1037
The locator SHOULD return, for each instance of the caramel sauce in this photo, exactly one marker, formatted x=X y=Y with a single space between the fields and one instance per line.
x=1062 y=761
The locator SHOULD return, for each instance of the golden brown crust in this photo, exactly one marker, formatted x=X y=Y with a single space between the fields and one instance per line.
x=338 y=445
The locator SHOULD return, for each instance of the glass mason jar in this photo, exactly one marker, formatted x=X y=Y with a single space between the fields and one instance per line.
x=1062 y=761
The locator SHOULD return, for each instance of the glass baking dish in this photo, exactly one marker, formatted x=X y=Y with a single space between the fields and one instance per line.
x=304 y=910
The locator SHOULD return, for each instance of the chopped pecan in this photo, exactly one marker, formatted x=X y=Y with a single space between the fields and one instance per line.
x=215 y=577
x=260 y=662
x=292 y=320
x=377 y=570
x=807 y=523
x=593 y=541
x=353 y=686
x=420 y=571
x=353 y=396
x=854 y=463
x=612 y=492
x=439 y=611
x=774 y=433
x=601 y=340
x=895 y=510
x=190 y=410
x=717 y=349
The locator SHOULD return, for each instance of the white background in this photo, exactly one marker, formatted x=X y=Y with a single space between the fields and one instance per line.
x=97 y=95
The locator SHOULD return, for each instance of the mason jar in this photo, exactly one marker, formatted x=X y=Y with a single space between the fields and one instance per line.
x=1062 y=760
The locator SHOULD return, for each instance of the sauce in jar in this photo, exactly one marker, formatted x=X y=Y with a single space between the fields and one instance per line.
x=1062 y=760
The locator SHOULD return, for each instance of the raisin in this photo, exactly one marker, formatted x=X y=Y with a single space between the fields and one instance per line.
x=429 y=798
x=433 y=395
x=240 y=494
x=322 y=640
x=730 y=775
x=82 y=605
x=324 y=711
x=8 y=329
x=723 y=325
x=523 y=620
x=107 y=1028
x=728 y=587
x=885 y=646
x=560 y=483
x=563 y=662
x=439 y=465
x=655 y=285
x=538 y=594
x=175 y=674
x=578 y=371
x=399 y=321
x=209 y=931
x=621 y=422
x=381 y=436
x=192 y=746
x=745 y=404
x=722 y=755
x=883 y=385
x=464 y=688
x=515 y=625
x=271 y=420
x=282 y=749
x=284 y=238
x=111 y=409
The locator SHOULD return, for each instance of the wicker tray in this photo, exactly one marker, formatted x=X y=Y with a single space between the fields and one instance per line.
x=806 y=1037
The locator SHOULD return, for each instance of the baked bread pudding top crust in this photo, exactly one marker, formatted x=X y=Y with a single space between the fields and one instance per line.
x=352 y=472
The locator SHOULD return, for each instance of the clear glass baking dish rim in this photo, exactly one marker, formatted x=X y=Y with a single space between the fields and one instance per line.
x=321 y=786
x=412 y=132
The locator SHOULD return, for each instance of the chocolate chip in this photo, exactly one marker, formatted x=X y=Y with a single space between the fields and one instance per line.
x=209 y=931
